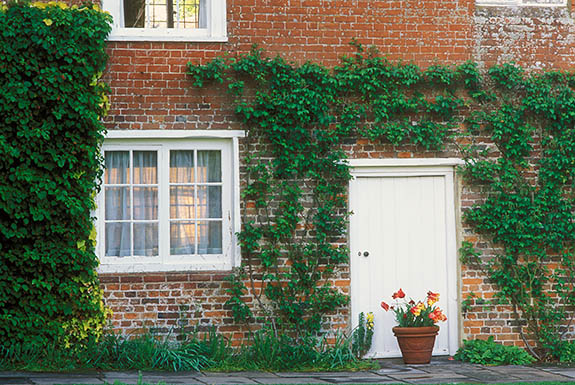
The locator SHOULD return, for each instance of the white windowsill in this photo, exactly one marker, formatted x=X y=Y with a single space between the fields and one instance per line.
x=141 y=34
x=161 y=267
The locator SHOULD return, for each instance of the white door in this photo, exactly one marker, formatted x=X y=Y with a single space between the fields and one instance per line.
x=402 y=235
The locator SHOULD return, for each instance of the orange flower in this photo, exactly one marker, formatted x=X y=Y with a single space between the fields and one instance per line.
x=399 y=294
x=416 y=310
x=432 y=298
x=437 y=315
x=384 y=306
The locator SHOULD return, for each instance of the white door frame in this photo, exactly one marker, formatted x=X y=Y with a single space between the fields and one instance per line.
x=444 y=167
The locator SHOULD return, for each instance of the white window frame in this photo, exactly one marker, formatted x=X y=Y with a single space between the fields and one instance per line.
x=518 y=3
x=215 y=32
x=164 y=141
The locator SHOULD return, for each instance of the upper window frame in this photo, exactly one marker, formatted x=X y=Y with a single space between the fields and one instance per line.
x=518 y=3
x=228 y=143
x=216 y=30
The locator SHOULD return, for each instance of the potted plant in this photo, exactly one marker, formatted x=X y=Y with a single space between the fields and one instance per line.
x=417 y=327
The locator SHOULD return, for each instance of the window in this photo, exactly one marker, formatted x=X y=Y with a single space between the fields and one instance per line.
x=168 y=204
x=523 y=3
x=179 y=20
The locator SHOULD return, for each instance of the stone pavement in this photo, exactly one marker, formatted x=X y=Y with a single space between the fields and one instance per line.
x=393 y=371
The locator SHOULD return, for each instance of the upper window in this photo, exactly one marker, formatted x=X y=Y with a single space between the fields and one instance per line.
x=523 y=3
x=179 y=20
x=167 y=205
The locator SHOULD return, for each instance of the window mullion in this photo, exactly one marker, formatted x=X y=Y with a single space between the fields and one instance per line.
x=195 y=181
x=131 y=176
x=164 y=202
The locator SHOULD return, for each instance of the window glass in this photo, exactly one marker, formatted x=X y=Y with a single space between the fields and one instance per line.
x=131 y=208
x=179 y=14
x=195 y=193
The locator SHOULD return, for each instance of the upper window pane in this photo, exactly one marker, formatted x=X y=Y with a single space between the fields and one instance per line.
x=117 y=167
x=179 y=14
x=209 y=166
x=145 y=167
x=182 y=166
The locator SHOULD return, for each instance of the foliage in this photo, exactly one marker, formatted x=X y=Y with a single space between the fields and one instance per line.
x=298 y=116
x=362 y=335
x=488 y=352
x=415 y=314
x=192 y=353
x=527 y=177
x=566 y=352
x=50 y=109
x=518 y=142
x=144 y=352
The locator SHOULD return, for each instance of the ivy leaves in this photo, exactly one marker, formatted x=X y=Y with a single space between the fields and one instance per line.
x=528 y=207
x=519 y=147
x=51 y=57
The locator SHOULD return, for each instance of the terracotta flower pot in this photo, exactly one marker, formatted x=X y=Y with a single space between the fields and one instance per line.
x=416 y=344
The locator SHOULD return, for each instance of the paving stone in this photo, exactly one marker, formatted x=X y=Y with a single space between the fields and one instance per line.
x=359 y=379
x=444 y=380
x=385 y=371
x=231 y=379
x=65 y=381
x=242 y=374
x=14 y=380
x=562 y=372
x=401 y=369
x=172 y=380
x=484 y=376
x=288 y=380
x=315 y=374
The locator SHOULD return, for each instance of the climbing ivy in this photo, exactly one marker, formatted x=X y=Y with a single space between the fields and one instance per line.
x=514 y=130
x=51 y=57
x=527 y=179
x=297 y=117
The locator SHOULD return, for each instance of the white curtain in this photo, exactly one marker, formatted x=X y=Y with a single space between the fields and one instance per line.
x=194 y=201
x=203 y=15
x=119 y=235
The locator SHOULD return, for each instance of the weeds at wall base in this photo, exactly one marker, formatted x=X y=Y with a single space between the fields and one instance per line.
x=211 y=352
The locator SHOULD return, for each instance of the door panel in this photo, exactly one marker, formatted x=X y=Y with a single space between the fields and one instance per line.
x=402 y=222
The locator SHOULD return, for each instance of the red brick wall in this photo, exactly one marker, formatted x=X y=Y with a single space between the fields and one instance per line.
x=150 y=90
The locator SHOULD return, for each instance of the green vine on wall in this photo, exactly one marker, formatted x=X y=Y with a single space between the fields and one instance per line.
x=51 y=57
x=527 y=175
x=515 y=132
x=297 y=118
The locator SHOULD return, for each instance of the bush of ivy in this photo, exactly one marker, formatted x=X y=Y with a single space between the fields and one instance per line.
x=51 y=57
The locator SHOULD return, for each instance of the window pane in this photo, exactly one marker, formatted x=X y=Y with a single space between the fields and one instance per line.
x=118 y=239
x=209 y=202
x=134 y=13
x=181 y=202
x=145 y=203
x=182 y=166
x=209 y=166
x=146 y=239
x=117 y=203
x=210 y=237
x=145 y=167
x=182 y=238
x=117 y=167
x=164 y=14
